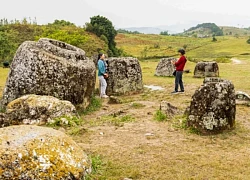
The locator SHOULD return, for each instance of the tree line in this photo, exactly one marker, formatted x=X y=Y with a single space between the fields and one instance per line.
x=96 y=36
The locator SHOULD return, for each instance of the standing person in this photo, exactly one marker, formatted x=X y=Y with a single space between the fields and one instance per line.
x=102 y=75
x=179 y=71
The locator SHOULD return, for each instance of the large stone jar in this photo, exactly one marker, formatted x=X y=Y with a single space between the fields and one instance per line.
x=50 y=67
x=125 y=76
x=206 y=69
x=213 y=107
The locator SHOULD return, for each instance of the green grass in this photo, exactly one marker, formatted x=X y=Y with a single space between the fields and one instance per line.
x=95 y=104
x=3 y=78
x=65 y=121
x=224 y=47
x=160 y=116
x=104 y=169
x=197 y=48
x=142 y=45
x=116 y=120
x=77 y=130
x=2 y=109
x=137 y=105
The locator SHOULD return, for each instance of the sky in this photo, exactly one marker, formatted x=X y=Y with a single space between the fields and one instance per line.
x=131 y=13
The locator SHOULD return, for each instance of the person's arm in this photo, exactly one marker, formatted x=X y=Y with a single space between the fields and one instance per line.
x=182 y=58
x=173 y=62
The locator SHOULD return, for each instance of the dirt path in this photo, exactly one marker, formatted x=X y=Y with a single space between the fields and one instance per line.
x=148 y=149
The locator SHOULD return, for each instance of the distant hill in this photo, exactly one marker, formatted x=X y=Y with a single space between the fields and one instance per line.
x=235 y=31
x=204 y=30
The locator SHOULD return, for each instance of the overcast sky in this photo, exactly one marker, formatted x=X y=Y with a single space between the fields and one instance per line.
x=131 y=13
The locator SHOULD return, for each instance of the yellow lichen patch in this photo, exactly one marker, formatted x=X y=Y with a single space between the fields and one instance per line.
x=40 y=152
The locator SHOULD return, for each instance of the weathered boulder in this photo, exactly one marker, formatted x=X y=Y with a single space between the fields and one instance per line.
x=35 y=152
x=50 y=67
x=165 y=67
x=35 y=109
x=213 y=107
x=125 y=76
x=168 y=109
x=206 y=69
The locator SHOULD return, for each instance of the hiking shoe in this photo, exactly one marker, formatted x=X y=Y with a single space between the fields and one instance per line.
x=174 y=92
x=104 y=96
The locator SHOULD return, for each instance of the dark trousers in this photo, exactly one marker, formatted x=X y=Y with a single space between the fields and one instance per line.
x=178 y=81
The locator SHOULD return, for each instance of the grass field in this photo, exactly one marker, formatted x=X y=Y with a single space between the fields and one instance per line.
x=3 y=77
x=149 y=46
x=145 y=46
x=126 y=141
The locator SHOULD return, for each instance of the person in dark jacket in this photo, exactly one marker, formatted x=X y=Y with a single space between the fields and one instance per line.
x=179 y=65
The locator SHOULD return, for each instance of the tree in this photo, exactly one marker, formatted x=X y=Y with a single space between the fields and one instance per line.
x=124 y=31
x=248 y=41
x=8 y=47
x=214 y=39
x=236 y=35
x=164 y=33
x=62 y=23
x=101 y=26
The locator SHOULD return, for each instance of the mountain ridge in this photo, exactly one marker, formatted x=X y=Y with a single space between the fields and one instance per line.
x=180 y=28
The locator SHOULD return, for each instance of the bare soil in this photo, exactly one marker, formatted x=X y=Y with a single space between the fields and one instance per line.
x=148 y=149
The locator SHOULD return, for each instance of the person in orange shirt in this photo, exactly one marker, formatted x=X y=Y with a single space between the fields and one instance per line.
x=179 y=65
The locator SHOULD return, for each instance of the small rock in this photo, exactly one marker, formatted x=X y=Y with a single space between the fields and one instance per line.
x=242 y=98
x=149 y=134
x=105 y=108
x=114 y=100
x=117 y=113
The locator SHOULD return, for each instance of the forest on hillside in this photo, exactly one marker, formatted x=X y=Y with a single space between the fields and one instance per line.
x=214 y=29
x=93 y=38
